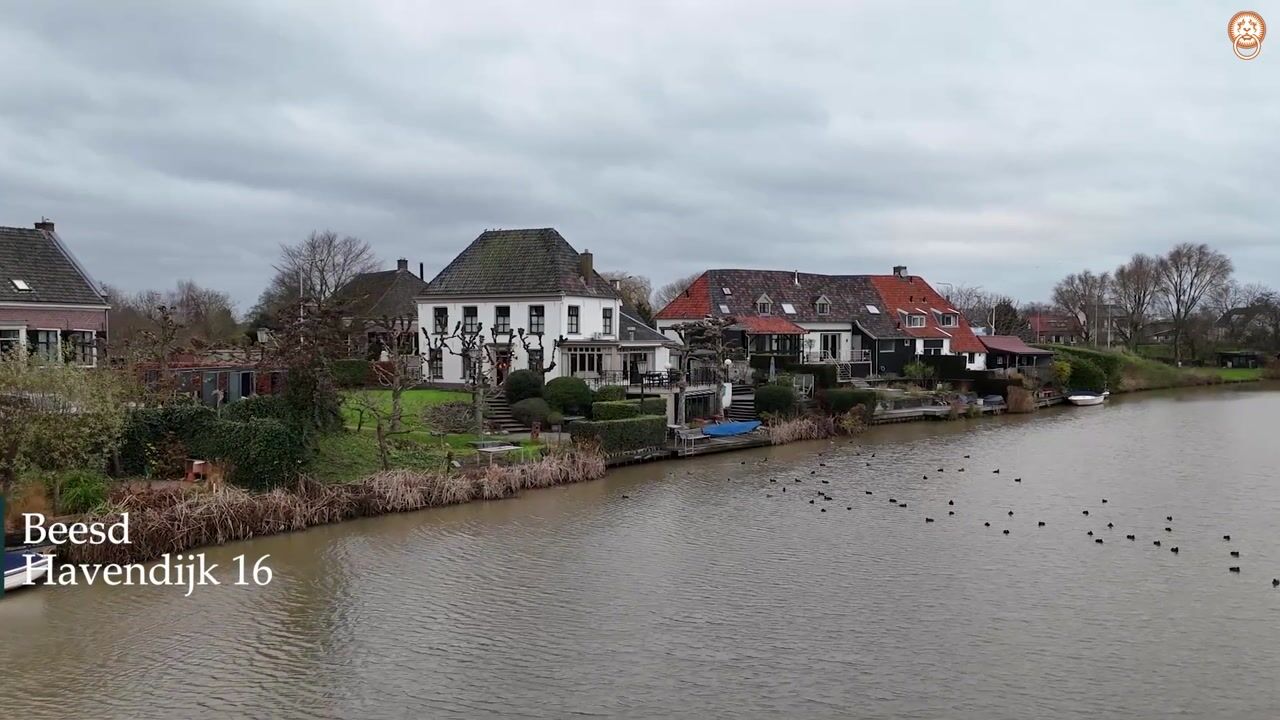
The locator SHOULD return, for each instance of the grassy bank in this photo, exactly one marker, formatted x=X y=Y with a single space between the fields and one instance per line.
x=413 y=402
x=1127 y=372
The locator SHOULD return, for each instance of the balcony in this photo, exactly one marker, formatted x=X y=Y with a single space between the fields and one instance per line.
x=845 y=356
x=648 y=381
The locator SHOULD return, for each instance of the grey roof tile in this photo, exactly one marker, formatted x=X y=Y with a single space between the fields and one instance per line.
x=517 y=262
x=39 y=259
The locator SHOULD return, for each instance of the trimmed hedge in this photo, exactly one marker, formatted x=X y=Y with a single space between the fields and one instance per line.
x=147 y=428
x=610 y=393
x=616 y=436
x=615 y=409
x=775 y=399
x=260 y=453
x=653 y=406
x=531 y=410
x=352 y=373
x=522 y=385
x=569 y=395
x=838 y=401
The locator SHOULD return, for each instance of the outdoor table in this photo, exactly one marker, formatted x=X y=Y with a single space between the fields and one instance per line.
x=495 y=449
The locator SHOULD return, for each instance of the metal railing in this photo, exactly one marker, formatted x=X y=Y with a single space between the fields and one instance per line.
x=845 y=356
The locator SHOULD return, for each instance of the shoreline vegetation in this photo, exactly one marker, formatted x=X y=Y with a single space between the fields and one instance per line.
x=1126 y=372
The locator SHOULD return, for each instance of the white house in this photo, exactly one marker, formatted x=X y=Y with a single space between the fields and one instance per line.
x=532 y=281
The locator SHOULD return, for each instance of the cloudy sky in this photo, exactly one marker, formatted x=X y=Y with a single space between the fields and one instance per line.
x=974 y=142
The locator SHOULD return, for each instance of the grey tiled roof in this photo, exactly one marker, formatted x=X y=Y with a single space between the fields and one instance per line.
x=38 y=258
x=517 y=262
x=388 y=293
x=644 y=334
x=849 y=295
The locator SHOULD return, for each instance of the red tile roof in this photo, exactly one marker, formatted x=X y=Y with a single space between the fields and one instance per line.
x=692 y=304
x=912 y=296
x=769 y=324
x=1058 y=323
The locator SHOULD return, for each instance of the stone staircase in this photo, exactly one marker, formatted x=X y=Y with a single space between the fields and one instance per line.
x=498 y=413
x=743 y=406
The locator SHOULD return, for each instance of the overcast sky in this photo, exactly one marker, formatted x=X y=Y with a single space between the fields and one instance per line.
x=975 y=142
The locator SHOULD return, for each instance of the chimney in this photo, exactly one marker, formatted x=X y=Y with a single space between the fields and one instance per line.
x=796 y=278
x=900 y=271
x=585 y=267
x=422 y=270
x=617 y=284
x=45 y=224
x=631 y=333
x=402 y=264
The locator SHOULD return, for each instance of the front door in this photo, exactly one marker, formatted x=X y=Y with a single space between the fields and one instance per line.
x=831 y=346
x=502 y=366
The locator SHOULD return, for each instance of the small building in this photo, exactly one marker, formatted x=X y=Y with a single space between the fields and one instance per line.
x=216 y=377
x=1008 y=352
x=50 y=306
x=1057 y=328
x=1244 y=358
x=369 y=299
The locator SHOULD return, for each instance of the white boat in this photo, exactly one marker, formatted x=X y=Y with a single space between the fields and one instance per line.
x=1087 y=398
x=19 y=571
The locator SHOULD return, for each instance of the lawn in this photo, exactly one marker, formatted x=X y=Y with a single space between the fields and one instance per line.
x=1240 y=374
x=413 y=401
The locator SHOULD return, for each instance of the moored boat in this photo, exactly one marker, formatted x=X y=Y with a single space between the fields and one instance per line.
x=18 y=571
x=729 y=429
x=1087 y=398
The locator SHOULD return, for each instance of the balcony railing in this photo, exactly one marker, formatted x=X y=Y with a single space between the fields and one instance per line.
x=649 y=380
x=822 y=356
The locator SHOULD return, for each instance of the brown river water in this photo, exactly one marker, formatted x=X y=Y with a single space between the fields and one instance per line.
x=700 y=596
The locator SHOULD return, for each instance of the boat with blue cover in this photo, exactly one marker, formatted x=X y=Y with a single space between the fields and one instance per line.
x=729 y=429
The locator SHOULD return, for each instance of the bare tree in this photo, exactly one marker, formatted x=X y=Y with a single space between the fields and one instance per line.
x=705 y=339
x=402 y=367
x=1006 y=319
x=1134 y=288
x=1186 y=275
x=1083 y=295
x=671 y=290
x=313 y=270
x=635 y=291
x=207 y=316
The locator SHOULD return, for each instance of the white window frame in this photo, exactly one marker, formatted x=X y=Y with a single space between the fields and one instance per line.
x=823 y=306
x=93 y=345
x=944 y=317
x=912 y=321
x=764 y=305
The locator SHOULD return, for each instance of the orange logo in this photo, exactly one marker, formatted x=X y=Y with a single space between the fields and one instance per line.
x=1246 y=31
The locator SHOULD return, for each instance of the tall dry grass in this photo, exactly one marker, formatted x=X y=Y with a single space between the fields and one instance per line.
x=175 y=520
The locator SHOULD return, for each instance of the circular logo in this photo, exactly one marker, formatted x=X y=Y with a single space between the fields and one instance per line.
x=1246 y=31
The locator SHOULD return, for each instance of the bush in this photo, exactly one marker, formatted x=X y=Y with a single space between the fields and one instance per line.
x=352 y=373
x=569 y=395
x=1086 y=375
x=1062 y=371
x=616 y=436
x=918 y=371
x=653 y=406
x=824 y=374
x=258 y=453
x=451 y=417
x=615 y=410
x=80 y=491
x=260 y=406
x=838 y=401
x=609 y=393
x=531 y=410
x=522 y=385
x=150 y=435
x=775 y=400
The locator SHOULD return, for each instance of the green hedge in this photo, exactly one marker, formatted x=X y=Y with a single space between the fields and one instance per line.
x=531 y=410
x=1111 y=364
x=260 y=406
x=615 y=409
x=838 y=401
x=146 y=428
x=615 y=436
x=522 y=385
x=775 y=399
x=824 y=374
x=1087 y=375
x=568 y=395
x=259 y=453
x=610 y=393
x=653 y=406
x=352 y=373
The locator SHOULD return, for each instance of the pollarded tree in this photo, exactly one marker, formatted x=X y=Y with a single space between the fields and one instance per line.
x=483 y=354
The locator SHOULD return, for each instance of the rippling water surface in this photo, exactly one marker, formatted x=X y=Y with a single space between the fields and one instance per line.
x=702 y=596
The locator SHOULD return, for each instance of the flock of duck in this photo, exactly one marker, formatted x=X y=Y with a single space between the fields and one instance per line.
x=824 y=496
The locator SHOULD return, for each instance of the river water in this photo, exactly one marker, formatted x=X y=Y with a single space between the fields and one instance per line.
x=710 y=592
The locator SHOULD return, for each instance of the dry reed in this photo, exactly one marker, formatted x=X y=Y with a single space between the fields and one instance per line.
x=175 y=520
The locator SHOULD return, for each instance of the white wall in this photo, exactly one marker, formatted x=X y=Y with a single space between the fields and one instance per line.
x=555 y=323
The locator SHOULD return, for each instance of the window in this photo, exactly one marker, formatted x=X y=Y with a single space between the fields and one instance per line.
x=823 y=307
x=585 y=360
x=537 y=319
x=726 y=291
x=535 y=359
x=764 y=305
x=10 y=341
x=932 y=347
x=441 y=319
x=886 y=346
x=502 y=318
x=44 y=344
x=948 y=320
x=724 y=308
x=607 y=317
x=82 y=348
x=21 y=285
x=915 y=321
x=873 y=309
x=435 y=363
x=971 y=358
x=575 y=322
x=470 y=319
x=788 y=308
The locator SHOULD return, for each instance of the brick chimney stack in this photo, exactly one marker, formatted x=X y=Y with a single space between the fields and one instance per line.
x=45 y=224
x=402 y=264
x=586 y=265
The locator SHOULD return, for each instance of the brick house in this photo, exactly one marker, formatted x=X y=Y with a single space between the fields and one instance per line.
x=50 y=306
x=369 y=298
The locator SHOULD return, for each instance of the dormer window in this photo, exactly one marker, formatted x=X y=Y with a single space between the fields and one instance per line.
x=764 y=305
x=20 y=285
x=916 y=321
x=727 y=292
x=948 y=320
x=822 y=305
